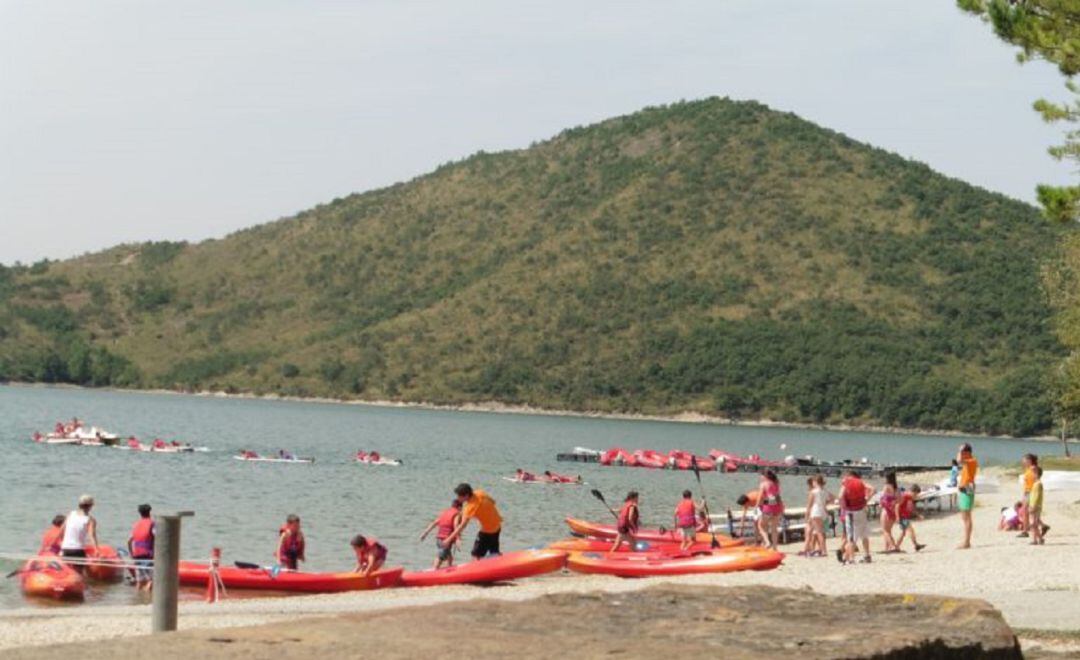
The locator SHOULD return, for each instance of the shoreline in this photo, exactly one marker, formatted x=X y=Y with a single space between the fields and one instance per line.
x=499 y=408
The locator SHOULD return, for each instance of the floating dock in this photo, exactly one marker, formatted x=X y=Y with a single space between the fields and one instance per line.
x=800 y=467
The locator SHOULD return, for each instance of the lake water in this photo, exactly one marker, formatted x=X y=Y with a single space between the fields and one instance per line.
x=240 y=506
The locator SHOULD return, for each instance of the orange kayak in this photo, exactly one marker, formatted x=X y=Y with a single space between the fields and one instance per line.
x=602 y=531
x=510 y=566
x=576 y=544
x=285 y=580
x=48 y=577
x=648 y=565
x=107 y=568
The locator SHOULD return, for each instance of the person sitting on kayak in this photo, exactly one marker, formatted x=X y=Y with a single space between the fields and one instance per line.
x=286 y=455
x=133 y=443
x=374 y=456
x=370 y=554
x=80 y=532
x=629 y=519
x=478 y=505
x=51 y=539
x=290 y=548
x=445 y=523
x=159 y=443
x=247 y=453
x=141 y=547
x=686 y=520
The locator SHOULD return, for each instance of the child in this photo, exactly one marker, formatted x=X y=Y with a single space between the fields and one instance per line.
x=887 y=501
x=370 y=554
x=904 y=511
x=816 y=510
x=446 y=523
x=629 y=517
x=1035 y=507
x=290 y=548
x=686 y=520
x=50 y=540
x=1011 y=517
x=141 y=547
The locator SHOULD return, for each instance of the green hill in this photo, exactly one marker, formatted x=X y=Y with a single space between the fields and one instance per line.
x=713 y=256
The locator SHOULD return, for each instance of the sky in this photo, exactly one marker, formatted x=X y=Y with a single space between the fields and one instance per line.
x=154 y=120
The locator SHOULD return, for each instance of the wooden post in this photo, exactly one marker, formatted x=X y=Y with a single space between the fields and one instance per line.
x=166 y=570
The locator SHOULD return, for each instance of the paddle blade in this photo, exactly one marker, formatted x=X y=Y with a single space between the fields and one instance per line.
x=598 y=495
x=694 y=467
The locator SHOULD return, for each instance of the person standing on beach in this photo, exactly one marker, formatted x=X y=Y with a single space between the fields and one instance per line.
x=80 y=532
x=749 y=501
x=629 y=518
x=686 y=520
x=887 y=503
x=444 y=524
x=1029 y=462
x=1035 y=507
x=291 y=543
x=476 y=504
x=771 y=506
x=854 y=495
x=969 y=467
x=905 y=513
x=141 y=547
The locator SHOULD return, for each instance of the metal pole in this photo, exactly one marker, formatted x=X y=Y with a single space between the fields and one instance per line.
x=166 y=570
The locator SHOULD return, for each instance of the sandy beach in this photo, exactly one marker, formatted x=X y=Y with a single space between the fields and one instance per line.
x=1036 y=588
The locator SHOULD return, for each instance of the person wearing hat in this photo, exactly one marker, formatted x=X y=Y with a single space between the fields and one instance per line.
x=80 y=531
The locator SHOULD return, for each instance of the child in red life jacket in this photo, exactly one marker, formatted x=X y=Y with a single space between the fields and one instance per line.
x=686 y=520
x=629 y=519
x=905 y=513
x=445 y=524
x=290 y=548
x=141 y=546
x=370 y=554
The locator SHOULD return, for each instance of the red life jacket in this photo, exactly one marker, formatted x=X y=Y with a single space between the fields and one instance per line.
x=685 y=514
x=372 y=549
x=628 y=517
x=142 y=539
x=854 y=494
x=907 y=506
x=50 y=541
x=294 y=542
x=445 y=522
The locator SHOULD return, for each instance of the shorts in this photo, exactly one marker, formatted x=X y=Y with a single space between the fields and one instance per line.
x=905 y=523
x=290 y=560
x=77 y=553
x=965 y=501
x=856 y=526
x=689 y=533
x=446 y=551
x=486 y=544
x=144 y=568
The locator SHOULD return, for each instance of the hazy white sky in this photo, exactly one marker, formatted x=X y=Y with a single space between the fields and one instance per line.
x=141 y=120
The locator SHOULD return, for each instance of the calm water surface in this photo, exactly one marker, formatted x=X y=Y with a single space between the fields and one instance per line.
x=239 y=506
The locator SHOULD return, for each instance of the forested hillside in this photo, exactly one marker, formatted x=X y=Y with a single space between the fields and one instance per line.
x=713 y=256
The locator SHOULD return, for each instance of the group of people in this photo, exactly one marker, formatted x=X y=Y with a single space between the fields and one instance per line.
x=1026 y=516
x=73 y=535
x=548 y=476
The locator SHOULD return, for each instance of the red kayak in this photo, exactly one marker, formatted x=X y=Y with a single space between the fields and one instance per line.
x=684 y=460
x=104 y=564
x=511 y=566
x=48 y=577
x=614 y=456
x=633 y=565
x=285 y=580
x=649 y=458
x=601 y=531
x=575 y=544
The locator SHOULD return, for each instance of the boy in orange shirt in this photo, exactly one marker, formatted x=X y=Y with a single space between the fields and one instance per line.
x=479 y=505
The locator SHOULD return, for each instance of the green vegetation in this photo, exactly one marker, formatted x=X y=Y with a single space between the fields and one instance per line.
x=713 y=256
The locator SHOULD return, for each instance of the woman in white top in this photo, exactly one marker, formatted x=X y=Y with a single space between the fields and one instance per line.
x=80 y=530
x=816 y=504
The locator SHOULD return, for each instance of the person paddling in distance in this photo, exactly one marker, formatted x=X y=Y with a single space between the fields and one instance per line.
x=686 y=520
x=80 y=532
x=53 y=536
x=478 y=505
x=141 y=548
x=854 y=496
x=291 y=542
x=629 y=519
x=965 y=499
x=370 y=554
x=771 y=506
x=445 y=524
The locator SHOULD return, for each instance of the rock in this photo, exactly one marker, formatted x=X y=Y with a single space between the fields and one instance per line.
x=656 y=623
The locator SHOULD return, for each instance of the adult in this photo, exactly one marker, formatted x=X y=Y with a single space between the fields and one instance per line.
x=52 y=538
x=80 y=532
x=771 y=506
x=291 y=543
x=478 y=505
x=141 y=548
x=749 y=503
x=854 y=496
x=1029 y=462
x=890 y=494
x=965 y=484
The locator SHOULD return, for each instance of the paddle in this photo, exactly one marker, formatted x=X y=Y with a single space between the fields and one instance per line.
x=600 y=496
x=704 y=502
x=14 y=573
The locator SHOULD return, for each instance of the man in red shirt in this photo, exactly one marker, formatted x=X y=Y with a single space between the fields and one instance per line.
x=854 y=495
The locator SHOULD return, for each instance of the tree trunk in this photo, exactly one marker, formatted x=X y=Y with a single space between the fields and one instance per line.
x=1064 y=436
